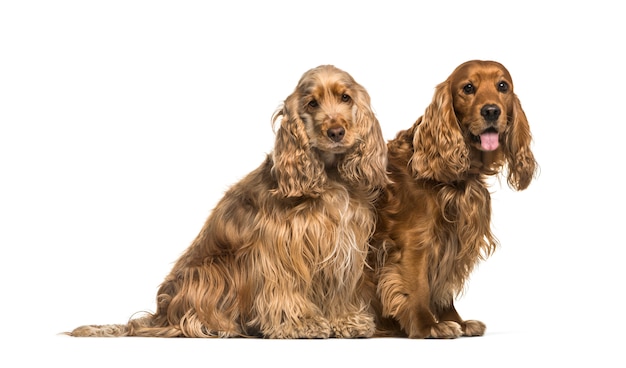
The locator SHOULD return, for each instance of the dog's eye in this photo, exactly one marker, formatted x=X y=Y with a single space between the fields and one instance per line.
x=503 y=86
x=469 y=89
x=313 y=103
x=345 y=98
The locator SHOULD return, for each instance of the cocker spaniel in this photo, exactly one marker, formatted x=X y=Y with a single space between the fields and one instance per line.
x=434 y=218
x=283 y=252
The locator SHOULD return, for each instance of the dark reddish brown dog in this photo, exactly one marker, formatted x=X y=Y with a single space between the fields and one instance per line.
x=434 y=218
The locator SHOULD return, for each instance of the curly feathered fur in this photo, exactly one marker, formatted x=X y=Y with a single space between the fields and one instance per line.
x=283 y=252
x=434 y=221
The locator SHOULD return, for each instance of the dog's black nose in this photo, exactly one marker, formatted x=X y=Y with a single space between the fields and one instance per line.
x=336 y=134
x=490 y=112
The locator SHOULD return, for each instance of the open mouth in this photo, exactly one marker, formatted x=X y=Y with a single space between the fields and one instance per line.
x=488 y=139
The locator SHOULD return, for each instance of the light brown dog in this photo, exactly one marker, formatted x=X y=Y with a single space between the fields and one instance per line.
x=434 y=218
x=282 y=254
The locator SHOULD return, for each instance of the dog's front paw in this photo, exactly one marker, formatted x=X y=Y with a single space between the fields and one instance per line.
x=304 y=328
x=445 y=330
x=473 y=328
x=355 y=325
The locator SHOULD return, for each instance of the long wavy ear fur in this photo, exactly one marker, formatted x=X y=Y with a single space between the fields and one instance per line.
x=295 y=170
x=366 y=165
x=522 y=166
x=440 y=152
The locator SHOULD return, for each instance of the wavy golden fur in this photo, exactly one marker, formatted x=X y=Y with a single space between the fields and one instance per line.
x=434 y=221
x=283 y=252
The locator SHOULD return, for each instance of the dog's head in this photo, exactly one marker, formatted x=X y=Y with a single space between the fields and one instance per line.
x=475 y=121
x=327 y=124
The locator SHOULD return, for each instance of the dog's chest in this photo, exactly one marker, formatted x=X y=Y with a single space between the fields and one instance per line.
x=339 y=230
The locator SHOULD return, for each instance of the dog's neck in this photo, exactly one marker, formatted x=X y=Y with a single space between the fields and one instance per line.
x=485 y=162
x=329 y=159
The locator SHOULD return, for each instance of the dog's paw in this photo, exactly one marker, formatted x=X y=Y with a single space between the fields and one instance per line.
x=355 y=325
x=473 y=328
x=445 y=330
x=304 y=328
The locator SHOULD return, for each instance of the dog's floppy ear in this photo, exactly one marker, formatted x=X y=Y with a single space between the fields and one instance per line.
x=296 y=171
x=522 y=166
x=366 y=165
x=440 y=152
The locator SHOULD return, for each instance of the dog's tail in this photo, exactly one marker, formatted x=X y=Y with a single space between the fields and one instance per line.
x=143 y=326
x=99 y=331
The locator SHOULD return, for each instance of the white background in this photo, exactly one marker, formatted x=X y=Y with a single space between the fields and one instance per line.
x=123 y=122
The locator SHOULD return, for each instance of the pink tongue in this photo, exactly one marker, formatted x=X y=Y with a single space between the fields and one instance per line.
x=489 y=141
